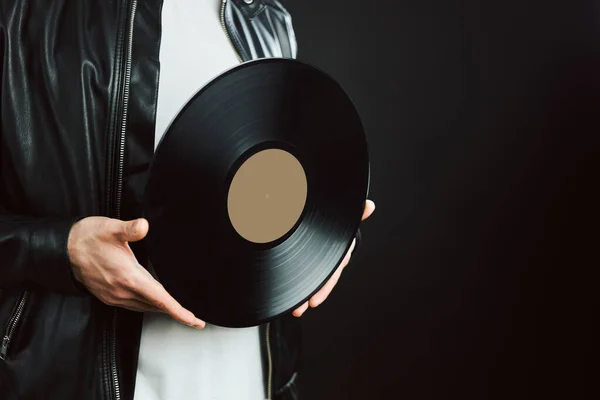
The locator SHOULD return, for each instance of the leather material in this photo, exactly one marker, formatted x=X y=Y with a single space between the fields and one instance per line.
x=260 y=29
x=61 y=111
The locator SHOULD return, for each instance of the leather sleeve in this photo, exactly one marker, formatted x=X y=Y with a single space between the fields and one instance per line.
x=33 y=251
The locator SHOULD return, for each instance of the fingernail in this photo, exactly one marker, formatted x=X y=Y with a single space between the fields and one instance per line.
x=315 y=301
x=194 y=325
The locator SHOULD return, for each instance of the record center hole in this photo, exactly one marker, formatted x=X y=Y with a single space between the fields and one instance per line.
x=267 y=196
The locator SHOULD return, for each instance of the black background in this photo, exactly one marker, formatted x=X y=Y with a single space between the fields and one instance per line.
x=474 y=280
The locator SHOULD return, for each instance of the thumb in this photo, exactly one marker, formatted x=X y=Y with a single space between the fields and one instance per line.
x=369 y=208
x=132 y=231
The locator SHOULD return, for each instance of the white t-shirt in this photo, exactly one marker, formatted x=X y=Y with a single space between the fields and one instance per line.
x=177 y=362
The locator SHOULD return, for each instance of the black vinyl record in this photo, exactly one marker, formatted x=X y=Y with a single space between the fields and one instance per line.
x=196 y=252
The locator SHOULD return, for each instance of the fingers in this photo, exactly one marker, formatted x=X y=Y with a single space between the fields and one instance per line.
x=138 y=306
x=352 y=246
x=107 y=267
x=131 y=231
x=126 y=298
x=319 y=297
x=138 y=291
x=155 y=294
x=369 y=208
x=326 y=290
x=300 y=310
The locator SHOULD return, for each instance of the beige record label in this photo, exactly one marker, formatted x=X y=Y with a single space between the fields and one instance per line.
x=267 y=196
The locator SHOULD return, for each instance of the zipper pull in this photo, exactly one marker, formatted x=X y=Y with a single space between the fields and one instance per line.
x=4 y=347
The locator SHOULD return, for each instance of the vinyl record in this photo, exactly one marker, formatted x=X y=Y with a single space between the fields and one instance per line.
x=256 y=192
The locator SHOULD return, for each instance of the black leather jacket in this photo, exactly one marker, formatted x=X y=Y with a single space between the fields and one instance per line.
x=78 y=101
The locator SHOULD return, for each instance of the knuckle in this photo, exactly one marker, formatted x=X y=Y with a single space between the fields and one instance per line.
x=104 y=226
x=109 y=299
x=111 y=281
x=127 y=281
x=114 y=296
x=110 y=226
x=117 y=280
x=161 y=305
x=126 y=294
x=121 y=294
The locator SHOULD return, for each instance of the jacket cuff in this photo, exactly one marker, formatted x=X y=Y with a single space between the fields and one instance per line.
x=49 y=249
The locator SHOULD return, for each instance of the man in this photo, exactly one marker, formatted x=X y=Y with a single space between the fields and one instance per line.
x=87 y=90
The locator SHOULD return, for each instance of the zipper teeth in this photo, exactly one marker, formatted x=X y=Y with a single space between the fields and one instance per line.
x=270 y=376
x=105 y=371
x=125 y=110
x=223 y=4
x=14 y=321
x=12 y=324
x=114 y=358
x=126 y=84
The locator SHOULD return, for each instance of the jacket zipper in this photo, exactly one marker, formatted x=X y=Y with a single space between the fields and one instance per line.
x=18 y=312
x=16 y=316
x=270 y=362
x=223 y=4
x=113 y=357
x=119 y=187
x=13 y=322
x=126 y=85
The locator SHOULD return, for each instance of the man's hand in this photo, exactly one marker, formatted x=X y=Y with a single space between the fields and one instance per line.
x=322 y=294
x=104 y=263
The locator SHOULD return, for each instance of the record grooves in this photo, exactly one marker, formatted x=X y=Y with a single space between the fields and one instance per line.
x=279 y=120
